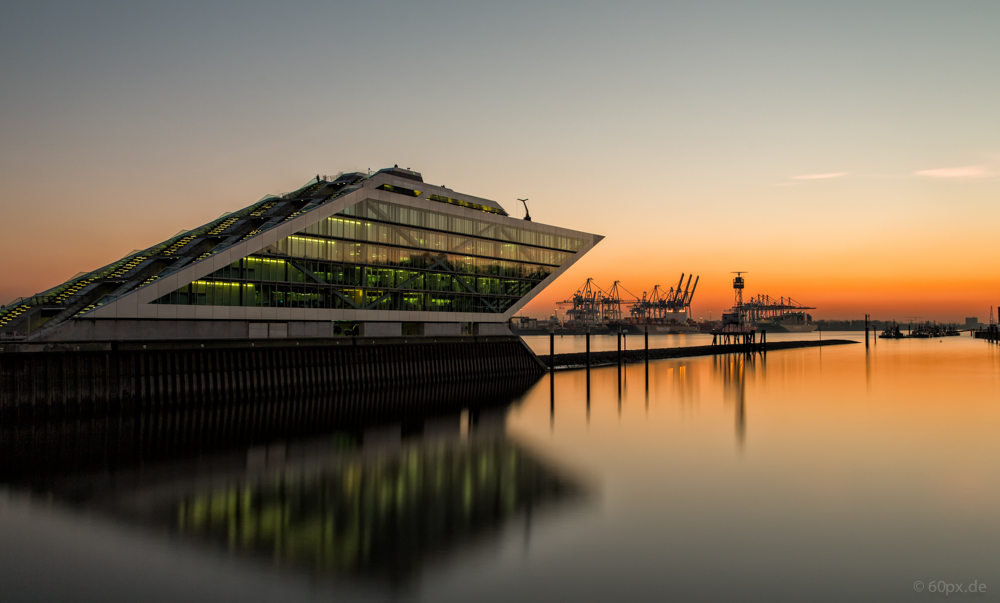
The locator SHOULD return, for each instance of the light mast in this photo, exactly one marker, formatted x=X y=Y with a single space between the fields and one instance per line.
x=738 y=288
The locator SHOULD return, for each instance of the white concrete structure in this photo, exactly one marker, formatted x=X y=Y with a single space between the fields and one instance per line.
x=380 y=254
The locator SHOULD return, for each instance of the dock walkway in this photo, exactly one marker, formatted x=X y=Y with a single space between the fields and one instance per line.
x=578 y=360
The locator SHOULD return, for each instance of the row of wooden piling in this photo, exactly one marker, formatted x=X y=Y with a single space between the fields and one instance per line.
x=991 y=333
x=746 y=342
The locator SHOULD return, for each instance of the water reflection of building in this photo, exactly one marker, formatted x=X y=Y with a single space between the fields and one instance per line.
x=369 y=499
x=381 y=515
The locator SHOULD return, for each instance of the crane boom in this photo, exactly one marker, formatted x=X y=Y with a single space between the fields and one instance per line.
x=691 y=298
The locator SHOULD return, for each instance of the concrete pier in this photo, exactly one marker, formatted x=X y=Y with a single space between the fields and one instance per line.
x=578 y=360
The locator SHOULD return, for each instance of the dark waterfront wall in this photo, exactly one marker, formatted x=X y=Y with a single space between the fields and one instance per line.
x=37 y=448
x=117 y=376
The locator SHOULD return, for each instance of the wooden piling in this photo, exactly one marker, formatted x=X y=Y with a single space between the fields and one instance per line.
x=619 y=346
x=619 y=368
x=646 y=345
x=552 y=349
x=645 y=353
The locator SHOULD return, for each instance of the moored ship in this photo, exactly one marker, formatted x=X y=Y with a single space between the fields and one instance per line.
x=664 y=329
x=891 y=332
x=788 y=322
x=668 y=323
x=524 y=325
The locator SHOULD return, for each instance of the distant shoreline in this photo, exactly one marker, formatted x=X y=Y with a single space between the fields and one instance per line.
x=578 y=360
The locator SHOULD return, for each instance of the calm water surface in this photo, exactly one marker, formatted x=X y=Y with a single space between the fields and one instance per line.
x=807 y=475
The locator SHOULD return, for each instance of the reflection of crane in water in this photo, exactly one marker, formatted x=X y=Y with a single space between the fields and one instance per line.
x=733 y=369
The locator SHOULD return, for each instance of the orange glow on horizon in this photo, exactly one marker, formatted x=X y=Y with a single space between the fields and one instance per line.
x=836 y=294
x=843 y=271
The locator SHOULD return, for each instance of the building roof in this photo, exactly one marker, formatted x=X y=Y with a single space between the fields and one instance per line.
x=88 y=290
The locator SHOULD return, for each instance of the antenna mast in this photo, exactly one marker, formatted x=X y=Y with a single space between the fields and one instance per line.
x=527 y=214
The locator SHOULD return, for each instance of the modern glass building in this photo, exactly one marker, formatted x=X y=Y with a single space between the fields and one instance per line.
x=380 y=254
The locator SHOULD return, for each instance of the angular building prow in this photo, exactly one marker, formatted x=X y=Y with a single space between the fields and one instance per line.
x=380 y=254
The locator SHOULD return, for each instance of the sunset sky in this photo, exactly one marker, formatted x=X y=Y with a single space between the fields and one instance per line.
x=846 y=153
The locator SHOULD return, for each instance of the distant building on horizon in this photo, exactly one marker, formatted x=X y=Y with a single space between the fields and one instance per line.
x=972 y=323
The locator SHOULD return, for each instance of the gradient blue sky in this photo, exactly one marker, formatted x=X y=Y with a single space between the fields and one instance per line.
x=681 y=131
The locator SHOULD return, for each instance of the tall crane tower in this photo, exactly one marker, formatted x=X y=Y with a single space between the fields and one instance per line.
x=738 y=287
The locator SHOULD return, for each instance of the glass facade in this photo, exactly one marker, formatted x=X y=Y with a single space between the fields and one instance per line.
x=383 y=256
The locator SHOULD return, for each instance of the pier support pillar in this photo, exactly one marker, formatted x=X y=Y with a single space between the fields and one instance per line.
x=646 y=346
x=552 y=377
x=619 y=348
x=552 y=349
x=866 y=331
x=619 y=367
x=646 y=357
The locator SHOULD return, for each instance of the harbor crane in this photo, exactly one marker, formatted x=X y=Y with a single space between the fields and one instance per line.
x=586 y=305
x=760 y=307
x=592 y=305
x=656 y=304
x=613 y=301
